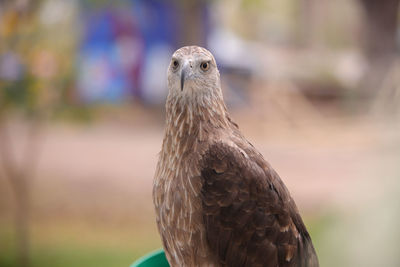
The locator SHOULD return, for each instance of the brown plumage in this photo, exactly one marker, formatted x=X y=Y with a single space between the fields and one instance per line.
x=217 y=201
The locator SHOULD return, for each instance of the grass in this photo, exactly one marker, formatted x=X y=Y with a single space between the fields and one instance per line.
x=61 y=244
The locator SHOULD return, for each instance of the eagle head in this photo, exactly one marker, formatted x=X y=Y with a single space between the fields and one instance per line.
x=193 y=72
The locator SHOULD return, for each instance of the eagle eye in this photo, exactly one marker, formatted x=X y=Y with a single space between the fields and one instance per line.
x=205 y=65
x=175 y=64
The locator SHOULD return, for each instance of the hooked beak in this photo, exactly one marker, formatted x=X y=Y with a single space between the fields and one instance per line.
x=184 y=73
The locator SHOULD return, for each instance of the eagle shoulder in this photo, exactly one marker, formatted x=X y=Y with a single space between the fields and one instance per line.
x=248 y=214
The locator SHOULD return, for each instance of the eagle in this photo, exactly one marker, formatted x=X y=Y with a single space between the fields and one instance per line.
x=218 y=202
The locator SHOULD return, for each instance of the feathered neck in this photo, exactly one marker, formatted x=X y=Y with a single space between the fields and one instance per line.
x=191 y=119
x=185 y=115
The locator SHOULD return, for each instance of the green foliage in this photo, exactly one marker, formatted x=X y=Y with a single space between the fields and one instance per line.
x=19 y=94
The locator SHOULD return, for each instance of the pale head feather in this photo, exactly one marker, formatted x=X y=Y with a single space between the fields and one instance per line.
x=200 y=86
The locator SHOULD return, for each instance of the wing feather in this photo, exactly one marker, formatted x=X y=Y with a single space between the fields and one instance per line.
x=249 y=217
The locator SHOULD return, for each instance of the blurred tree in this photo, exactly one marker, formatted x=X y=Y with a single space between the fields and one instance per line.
x=380 y=44
x=194 y=26
x=381 y=28
x=14 y=93
x=36 y=44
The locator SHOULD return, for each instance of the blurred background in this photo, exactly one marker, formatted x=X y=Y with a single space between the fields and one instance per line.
x=314 y=84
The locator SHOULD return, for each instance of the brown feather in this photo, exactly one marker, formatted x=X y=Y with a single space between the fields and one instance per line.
x=264 y=220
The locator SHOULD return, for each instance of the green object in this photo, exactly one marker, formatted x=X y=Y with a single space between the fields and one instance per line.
x=153 y=259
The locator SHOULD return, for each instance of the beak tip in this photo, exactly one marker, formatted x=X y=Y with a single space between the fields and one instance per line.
x=183 y=74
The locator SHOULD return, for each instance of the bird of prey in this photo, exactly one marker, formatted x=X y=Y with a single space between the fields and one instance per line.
x=218 y=202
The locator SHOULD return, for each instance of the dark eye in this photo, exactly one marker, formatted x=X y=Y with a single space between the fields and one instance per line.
x=175 y=64
x=205 y=66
